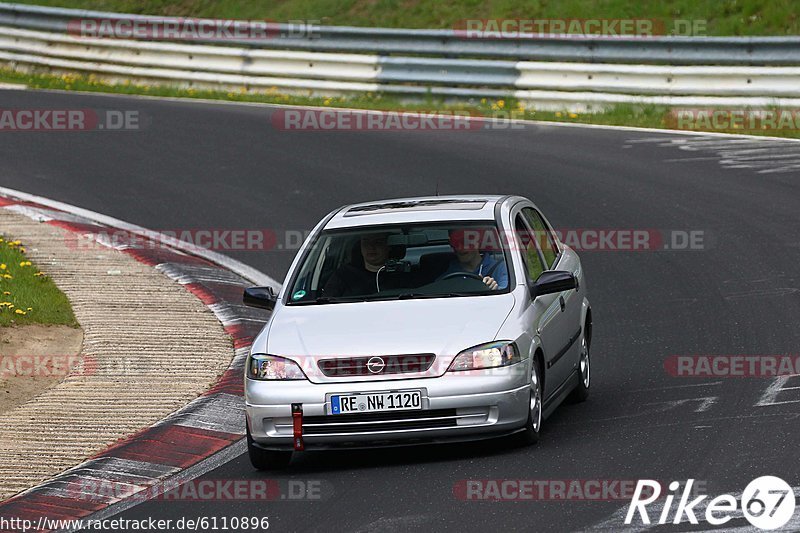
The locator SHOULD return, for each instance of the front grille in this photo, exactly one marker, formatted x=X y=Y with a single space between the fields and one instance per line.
x=372 y=422
x=376 y=365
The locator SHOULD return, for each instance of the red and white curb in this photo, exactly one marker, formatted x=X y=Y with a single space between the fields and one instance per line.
x=206 y=432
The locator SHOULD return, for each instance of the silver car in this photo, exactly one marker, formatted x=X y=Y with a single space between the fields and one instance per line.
x=418 y=320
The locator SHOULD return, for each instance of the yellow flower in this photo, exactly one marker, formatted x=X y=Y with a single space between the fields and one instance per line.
x=30 y=309
x=8 y=276
x=6 y=293
x=3 y=266
x=24 y=263
x=501 y=103
x=558 y=114
x=20 y=312
x=573 y=115
x=39 y=274
x=21 y=250
x=483 y=100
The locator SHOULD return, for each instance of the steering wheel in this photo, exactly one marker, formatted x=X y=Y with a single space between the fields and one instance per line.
x=462 y=275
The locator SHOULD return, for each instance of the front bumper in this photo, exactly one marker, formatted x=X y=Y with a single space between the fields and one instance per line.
x=455 y=407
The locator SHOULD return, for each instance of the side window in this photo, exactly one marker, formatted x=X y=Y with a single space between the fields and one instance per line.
x=543 y=235
x=530 y=255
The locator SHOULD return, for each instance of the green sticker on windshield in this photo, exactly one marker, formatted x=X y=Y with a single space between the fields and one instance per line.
x=299 y=294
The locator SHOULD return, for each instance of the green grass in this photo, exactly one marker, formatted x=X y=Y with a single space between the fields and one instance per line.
x=723 y=17
x=644 y=116
x=26 y=295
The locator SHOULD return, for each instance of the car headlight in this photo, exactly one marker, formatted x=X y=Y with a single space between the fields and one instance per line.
x=491 y=355
x=272 y=367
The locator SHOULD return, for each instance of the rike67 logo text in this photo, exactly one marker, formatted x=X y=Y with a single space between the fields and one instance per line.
x=768 y=502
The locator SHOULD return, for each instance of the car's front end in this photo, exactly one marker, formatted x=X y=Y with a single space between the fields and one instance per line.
x=394 y=372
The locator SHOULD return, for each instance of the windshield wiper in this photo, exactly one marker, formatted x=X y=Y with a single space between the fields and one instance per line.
x=328 y=300
x=412 y=295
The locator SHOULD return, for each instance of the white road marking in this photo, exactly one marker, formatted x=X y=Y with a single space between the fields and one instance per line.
x=691 y=159
x=762 y=155
x=770 y=395
x=704 y=403
x=218 y=412
x=31 y=212
x=676 y=387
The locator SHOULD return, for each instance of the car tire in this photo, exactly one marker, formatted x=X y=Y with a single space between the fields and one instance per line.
x=581 y=392
x=533 y=426
x=266 y=459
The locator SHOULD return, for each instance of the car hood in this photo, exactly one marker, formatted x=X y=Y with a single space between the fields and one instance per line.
x=441 y=326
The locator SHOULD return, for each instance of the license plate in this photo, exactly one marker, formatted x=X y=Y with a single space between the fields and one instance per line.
x=372 y=402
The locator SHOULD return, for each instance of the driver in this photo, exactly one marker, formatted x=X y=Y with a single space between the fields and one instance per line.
x=470 y=259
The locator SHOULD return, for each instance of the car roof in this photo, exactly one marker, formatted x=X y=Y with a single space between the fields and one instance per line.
x=418 y=209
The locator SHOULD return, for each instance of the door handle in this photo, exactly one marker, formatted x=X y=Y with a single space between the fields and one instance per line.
x=562 y=302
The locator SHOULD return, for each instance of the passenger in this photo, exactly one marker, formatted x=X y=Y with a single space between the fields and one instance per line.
x=360 y=277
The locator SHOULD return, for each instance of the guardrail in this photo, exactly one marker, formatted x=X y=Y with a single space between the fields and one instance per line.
x=451 y=43
x=264 y=65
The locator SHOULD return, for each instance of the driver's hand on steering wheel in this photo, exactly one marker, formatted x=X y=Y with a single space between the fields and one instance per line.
x=490 y=282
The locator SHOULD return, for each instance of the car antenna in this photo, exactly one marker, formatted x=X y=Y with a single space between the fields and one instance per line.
x=437 y=186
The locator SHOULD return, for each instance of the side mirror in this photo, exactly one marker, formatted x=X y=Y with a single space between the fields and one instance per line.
x=552 y=281
x=261 y=297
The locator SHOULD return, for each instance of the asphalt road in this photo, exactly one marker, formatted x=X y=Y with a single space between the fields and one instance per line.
x=223 y=166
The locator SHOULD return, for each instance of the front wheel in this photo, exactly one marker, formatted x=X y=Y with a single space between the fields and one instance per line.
x=581 y=392
x=533 y=427
x=266 y=459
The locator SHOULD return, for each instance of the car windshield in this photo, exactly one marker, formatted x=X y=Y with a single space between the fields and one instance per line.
x=402 y=262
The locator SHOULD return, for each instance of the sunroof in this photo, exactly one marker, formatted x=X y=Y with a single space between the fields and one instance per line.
x=415 y=205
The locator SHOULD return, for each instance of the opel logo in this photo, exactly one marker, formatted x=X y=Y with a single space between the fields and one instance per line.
x=376 y=365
